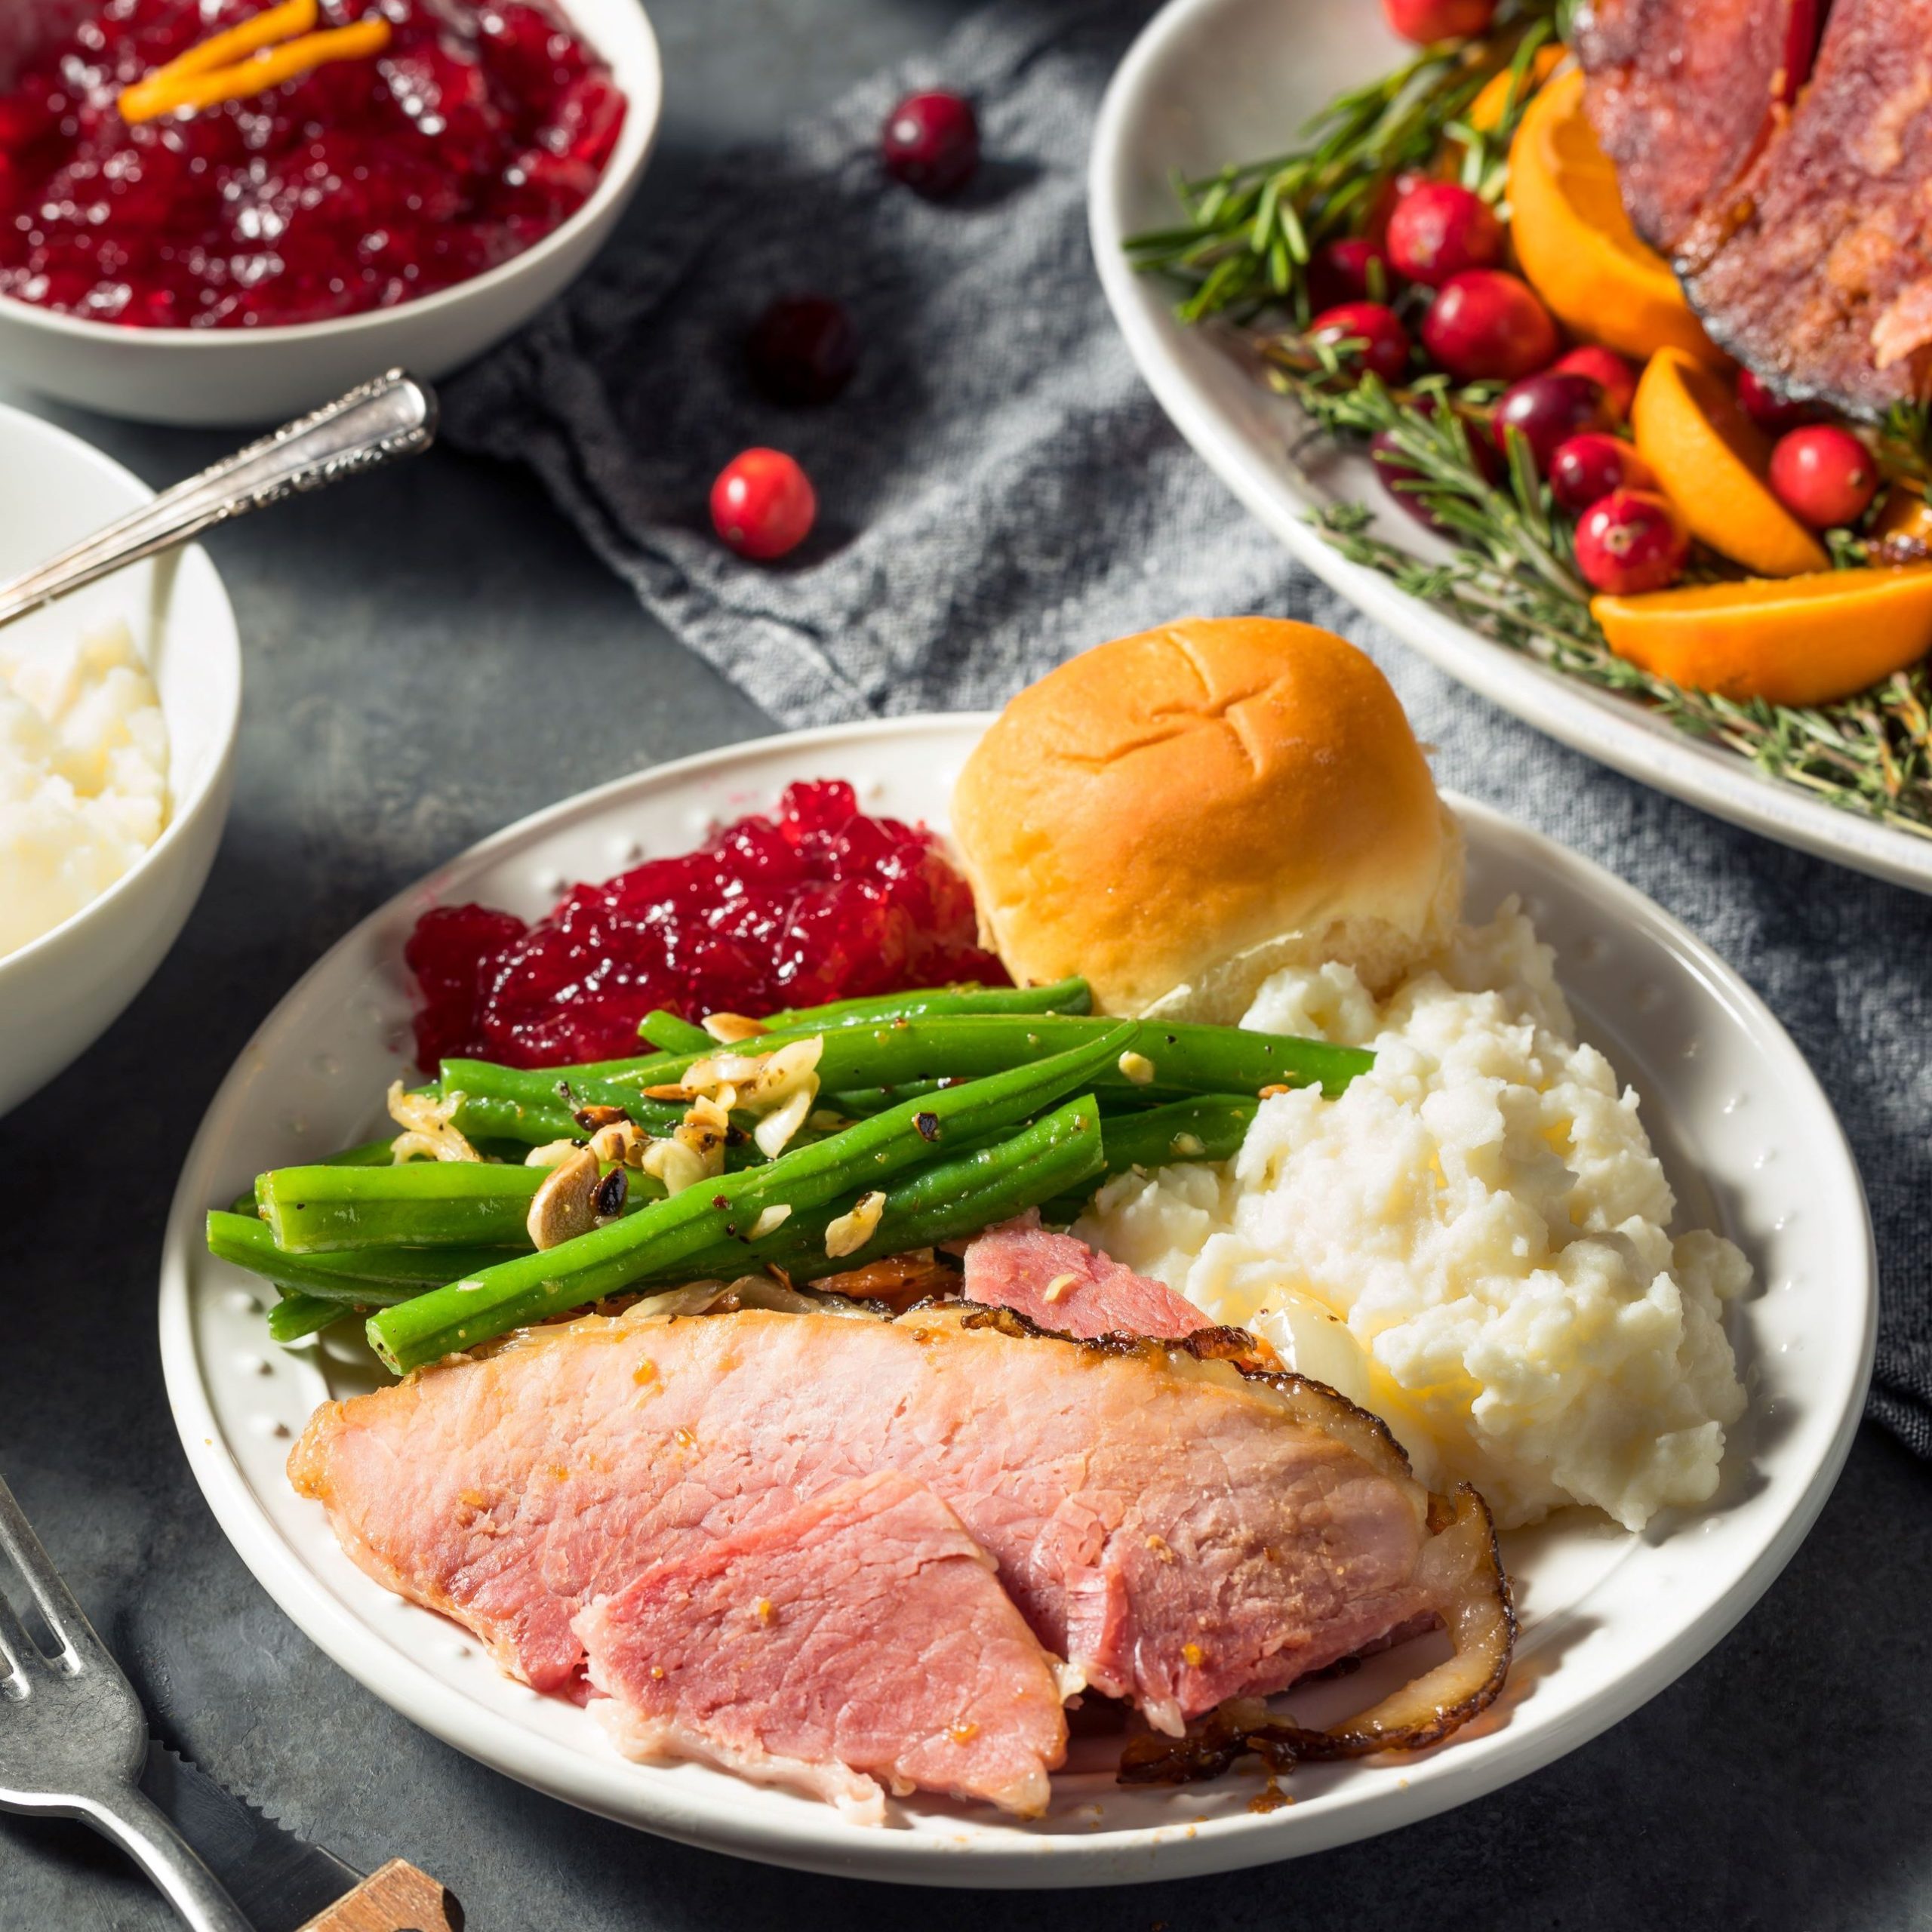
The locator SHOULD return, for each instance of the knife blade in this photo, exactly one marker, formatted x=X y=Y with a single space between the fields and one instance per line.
x=280 y=1882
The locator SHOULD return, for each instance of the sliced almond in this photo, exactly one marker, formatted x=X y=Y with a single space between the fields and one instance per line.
x=566 y=1204
x=728 y=1029
x=851 y=1232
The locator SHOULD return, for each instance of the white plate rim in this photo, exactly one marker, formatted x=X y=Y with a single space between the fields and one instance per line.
x=1438 y=1782
x=1610 y=730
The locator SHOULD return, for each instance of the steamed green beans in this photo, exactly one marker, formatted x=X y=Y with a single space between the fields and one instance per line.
x=375 y=1276
x=670 y=1035
x=930 y=1002
x=664 y=1235
x=952 y=1197
x=1188 y=1058
x=297 y=1315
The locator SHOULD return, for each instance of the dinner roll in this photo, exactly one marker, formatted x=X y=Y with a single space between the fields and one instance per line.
x=1178 y=815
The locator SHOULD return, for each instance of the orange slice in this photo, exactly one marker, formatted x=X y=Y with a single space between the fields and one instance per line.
x=1711 y=459
x=1485 y=113
x=1576 y=244
x=1800 y=640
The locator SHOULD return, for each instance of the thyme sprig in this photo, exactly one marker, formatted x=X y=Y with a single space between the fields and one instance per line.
x=1513 y=579
x=1252 y=230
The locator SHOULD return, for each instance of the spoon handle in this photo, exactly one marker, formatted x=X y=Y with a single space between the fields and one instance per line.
x=393 y=417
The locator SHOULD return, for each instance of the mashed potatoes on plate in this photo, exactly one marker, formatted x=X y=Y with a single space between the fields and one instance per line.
x=1472 y=1241
x=83 y=777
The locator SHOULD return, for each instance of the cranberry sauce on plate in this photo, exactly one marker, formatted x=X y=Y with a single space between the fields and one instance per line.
x=474 y=129
x=816 y=902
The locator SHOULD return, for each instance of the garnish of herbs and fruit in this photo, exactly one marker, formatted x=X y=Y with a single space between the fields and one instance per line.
x=1440 y=269
x=928 y=1286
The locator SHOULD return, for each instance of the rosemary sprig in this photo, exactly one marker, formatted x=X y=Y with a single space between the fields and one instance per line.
x=1513 y=579
x=1252 y=230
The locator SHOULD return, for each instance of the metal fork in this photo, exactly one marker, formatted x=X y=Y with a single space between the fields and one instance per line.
x=73 y=1736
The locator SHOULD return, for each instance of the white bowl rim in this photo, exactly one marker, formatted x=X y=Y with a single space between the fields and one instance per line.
x=221 y=636
x=644 y=106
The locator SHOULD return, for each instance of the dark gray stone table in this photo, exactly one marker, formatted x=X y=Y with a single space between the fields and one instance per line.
x=394 y=632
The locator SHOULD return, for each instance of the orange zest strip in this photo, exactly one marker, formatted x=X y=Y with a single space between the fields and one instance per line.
x=237 y=43
x=162 y=93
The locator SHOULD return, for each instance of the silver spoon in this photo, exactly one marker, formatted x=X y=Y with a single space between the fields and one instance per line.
x=393 y=417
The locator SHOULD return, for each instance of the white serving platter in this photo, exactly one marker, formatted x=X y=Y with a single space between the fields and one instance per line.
x=1609 y=1619
x=1212 y=81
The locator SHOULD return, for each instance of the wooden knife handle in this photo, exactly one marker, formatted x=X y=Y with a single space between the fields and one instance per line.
x=397 y=1898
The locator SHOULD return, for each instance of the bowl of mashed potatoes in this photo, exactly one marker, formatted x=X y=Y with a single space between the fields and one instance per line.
x=118 y=707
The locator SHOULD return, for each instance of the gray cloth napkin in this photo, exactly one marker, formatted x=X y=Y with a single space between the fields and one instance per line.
x=998 y=491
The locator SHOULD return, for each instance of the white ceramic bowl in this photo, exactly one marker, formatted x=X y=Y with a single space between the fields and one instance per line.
x=59 y=993
x=1210 y=82
x=253 y=375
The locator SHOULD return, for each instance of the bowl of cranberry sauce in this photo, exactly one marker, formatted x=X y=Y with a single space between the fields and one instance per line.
x=227 y=211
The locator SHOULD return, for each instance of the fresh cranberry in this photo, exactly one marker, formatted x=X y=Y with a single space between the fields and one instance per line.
x=816 y=902
x=1547 y=409
x=763 y=504
x=1605 y=367
x=1586 y=469
x=1423 y=21
x=1823 y=474
x=1353 y=269
x=1438 y=229
x=1486 y=324
x=1631 y=540
x=1772 y=413
x=803 y=350
x=931 y=143
x=1384 y=342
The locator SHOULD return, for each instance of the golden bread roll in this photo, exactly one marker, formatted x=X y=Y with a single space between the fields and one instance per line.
x=1179 y=814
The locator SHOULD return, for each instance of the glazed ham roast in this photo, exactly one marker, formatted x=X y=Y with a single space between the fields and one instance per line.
x=1786 y=174
x=685 y=1509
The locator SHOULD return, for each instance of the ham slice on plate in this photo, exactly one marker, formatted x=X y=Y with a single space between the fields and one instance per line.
x=861 y=1639
x=1179 y=1531
x=1062 y=1284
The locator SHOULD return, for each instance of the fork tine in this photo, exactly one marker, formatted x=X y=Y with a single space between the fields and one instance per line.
x=16 y=1646
x=64 y=1617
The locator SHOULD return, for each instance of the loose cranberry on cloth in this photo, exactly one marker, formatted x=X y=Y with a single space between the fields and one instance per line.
x=358 y=186
x=997 y=489
x=816 y=902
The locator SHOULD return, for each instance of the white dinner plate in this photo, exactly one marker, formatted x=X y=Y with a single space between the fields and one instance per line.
x=1609 y=1619
x=1212 y=81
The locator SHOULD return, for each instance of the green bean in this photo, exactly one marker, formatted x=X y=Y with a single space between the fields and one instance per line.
x=422 y=1204
x=1189 y=1058
x=670 y=1035
x=1211 y=1129
x=923 y=1002
x=948 y=1200
x=295 y=1315
x=664 y=1235
x=373 y=1277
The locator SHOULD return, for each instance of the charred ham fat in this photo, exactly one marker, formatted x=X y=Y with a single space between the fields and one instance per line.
x=1779 y=153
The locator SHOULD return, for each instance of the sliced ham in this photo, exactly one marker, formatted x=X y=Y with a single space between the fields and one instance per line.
x=1062 y=1284
x=860 y=1639
x=1793 y=195
x=1180 y=1532
x=1683 y=95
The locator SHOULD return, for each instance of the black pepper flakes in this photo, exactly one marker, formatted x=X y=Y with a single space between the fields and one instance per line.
x=927 y=1124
